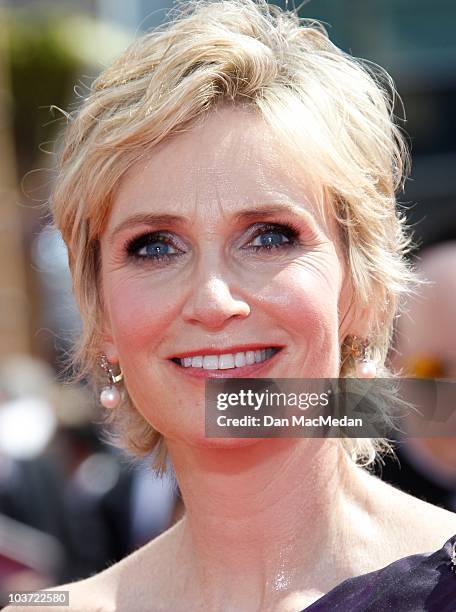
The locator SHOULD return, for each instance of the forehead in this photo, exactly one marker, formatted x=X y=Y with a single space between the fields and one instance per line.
x=230 y=159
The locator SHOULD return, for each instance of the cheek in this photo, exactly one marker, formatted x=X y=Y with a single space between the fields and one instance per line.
x=140 y=312
x=304 y=300
x=141 y=315
x=307 y=291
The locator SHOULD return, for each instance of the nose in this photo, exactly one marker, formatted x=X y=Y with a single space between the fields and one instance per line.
x=212 y=304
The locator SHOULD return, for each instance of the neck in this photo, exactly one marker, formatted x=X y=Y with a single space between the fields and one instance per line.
x=266 y=514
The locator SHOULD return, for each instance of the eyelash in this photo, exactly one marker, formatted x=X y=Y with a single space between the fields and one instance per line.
x=288 y=230
x=134 y=245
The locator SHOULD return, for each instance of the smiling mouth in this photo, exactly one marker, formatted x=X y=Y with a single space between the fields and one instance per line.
x=227 y=361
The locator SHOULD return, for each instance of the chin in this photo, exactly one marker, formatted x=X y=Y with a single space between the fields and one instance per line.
x=218 y=443
x=227 y=443
x=195 y=437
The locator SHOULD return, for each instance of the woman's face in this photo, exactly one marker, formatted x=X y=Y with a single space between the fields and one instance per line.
x=215 y=252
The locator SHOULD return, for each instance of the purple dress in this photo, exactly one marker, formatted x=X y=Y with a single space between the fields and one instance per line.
x=419 y=583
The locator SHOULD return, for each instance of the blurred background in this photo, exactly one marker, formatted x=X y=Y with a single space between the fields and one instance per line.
x=69 y=503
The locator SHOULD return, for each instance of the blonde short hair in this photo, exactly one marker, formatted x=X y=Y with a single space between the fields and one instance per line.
x=334 y=111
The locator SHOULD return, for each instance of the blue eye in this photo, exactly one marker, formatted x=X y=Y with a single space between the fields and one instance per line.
x=274 y=236
x=155 y=246
x=155 y=249
x=270 y=239
x=160 y=247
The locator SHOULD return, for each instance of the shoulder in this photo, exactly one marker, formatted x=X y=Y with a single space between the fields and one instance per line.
x=413 y=524
x=89 y=595
x=416 y=582
x=121 y=586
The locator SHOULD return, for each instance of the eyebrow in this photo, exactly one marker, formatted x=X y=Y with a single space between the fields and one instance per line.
x=243 y=215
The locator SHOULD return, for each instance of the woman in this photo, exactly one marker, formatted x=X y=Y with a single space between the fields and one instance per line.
x=226 y=189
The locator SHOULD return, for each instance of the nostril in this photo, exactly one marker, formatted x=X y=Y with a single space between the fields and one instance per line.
x=213 y=304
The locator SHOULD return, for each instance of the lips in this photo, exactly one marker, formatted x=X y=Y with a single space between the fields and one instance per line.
x=213 y=350
x=229 y=362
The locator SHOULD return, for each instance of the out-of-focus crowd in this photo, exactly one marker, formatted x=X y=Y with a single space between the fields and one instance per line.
x=70 y=504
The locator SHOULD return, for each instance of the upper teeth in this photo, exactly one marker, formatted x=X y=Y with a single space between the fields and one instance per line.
x=227 y=360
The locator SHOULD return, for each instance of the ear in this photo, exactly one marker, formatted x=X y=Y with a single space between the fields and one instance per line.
x=109 y=349
x=355 y=319
x=107 y=343
x=362 y=320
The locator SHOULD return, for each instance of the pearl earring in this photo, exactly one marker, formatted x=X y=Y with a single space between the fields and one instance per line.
x=110 y=395
x=365 y=367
